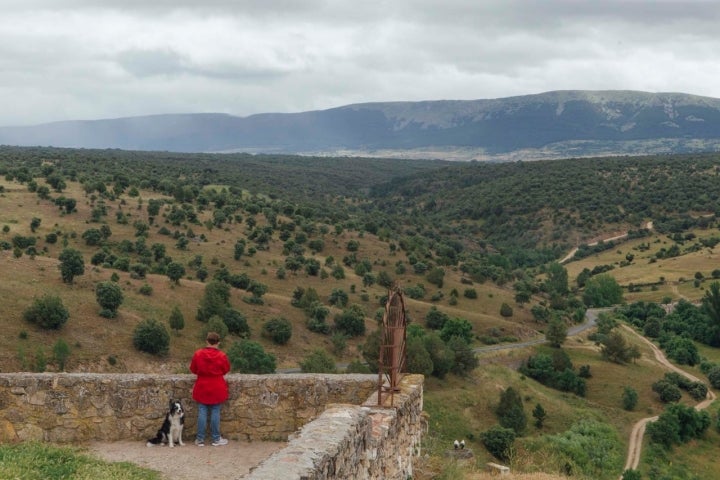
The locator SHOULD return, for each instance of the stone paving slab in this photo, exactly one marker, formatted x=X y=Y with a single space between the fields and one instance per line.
x=189 y=462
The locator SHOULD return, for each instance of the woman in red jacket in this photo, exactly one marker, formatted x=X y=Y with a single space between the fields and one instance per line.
x=210 y=364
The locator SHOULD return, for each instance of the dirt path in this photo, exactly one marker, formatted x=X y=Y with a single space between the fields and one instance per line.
x=638 y=430
x=648 y=225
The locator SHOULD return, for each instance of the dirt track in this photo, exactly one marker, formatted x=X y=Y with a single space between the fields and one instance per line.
x=638 y=430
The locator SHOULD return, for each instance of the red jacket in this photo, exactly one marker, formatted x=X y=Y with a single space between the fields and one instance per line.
x=210 y=365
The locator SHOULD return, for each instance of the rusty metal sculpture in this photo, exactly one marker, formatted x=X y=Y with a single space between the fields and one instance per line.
x=392 y=346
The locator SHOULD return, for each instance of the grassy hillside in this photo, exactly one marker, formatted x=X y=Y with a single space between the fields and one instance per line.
x=422 y=221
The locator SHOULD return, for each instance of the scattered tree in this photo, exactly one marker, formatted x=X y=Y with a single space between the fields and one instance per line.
x=247 y=356
x=175 y=272
x=71 y=265
x=152 y=337
x=318 y=361
x=109 y=296
x=510 y=411
x=176 y=320
x=539 y=414
x=629 y=398
x=47 y=312
x=277 y=329
x=556 y=332
x=499 y=441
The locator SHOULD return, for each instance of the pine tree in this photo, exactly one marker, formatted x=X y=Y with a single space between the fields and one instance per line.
x=177 y=320
x=510 y=411
x=539 y=414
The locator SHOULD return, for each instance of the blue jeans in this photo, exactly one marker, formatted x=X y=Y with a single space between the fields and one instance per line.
x=214 y=421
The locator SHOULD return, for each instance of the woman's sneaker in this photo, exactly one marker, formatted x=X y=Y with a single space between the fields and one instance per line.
x=199 y=443
x=220 y=441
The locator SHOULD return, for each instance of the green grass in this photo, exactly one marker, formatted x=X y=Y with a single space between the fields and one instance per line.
x=31 y=461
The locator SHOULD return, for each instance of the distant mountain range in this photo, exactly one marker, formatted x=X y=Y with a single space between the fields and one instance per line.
x=547 y=125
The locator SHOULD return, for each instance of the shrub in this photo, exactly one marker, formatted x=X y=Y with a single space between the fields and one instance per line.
x=356 y=366
x=214 y=324
x=319 y=361
x=457 y=327
x=470 y=293
x=71 y=265
x=678 y=424
x=714 y=376
x=109 y=296
x=506 y=310
x=351 y=321
x=152 y=337
x=61 y=352
x=145 y=289
x=464 y=359
x=539 y=415
x=418 y=358
x=236 y=322
x=435 y=319
x=176 y=320
x=47 y=312
x=247 y=356
x=629 y=398
x=499 y=441
x=667 y=391
x=277 y=329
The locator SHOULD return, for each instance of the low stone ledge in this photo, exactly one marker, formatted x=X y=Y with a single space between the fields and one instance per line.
x=79 y=407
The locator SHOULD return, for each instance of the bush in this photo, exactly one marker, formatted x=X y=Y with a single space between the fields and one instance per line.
x=667 y=391
x=109 y=296
x=214 y=324
x=236 y=323
x=351 y=321
x=247 y=356
x=152 y=337
x=435 y=319
x=470 y=293
x=714 y=376
x=629 y=398
x=506 y=310
x=678 y=424
x=356 y=366
x=47 y=312
x=418 y=358
x=499 y=441
x=319 y=361
x=176 y=320
x=277 y=329
x=146 y=289
x=457 y=327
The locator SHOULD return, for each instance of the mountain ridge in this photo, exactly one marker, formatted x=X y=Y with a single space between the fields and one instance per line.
x=553 y=124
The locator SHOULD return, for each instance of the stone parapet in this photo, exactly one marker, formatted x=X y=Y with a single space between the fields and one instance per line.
x=75 y=408
x=355 y=442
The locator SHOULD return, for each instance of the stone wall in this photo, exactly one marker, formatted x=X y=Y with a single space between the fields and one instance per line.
x=354 y=442
x=335 y=427
x=69 y=407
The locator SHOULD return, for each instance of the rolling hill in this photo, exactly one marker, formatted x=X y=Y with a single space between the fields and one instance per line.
x=547 y=125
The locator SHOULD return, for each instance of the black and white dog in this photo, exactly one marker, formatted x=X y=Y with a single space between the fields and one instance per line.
x=172 y=427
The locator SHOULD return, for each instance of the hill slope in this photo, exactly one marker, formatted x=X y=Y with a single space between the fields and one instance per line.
x=548 y=125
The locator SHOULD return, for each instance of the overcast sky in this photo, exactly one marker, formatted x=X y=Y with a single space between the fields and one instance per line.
x=82 y=59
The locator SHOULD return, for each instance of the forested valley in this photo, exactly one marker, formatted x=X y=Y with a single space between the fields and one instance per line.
x=119 y=261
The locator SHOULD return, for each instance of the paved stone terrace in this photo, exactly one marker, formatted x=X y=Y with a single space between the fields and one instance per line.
x=189 y=462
